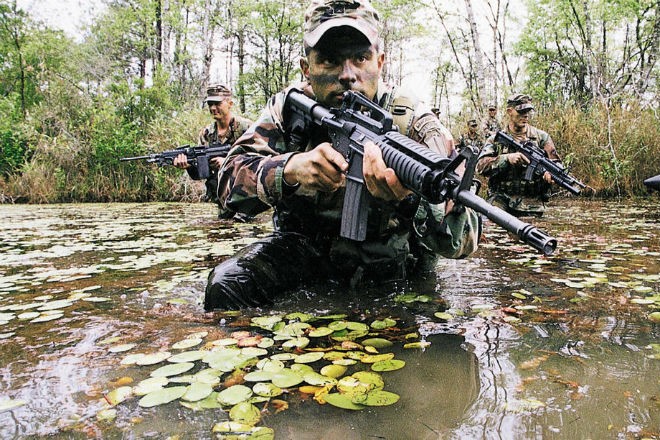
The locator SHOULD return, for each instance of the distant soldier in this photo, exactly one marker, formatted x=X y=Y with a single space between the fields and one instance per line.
x=490 y=125
x=224 y=130
x=472 y=138
x=505 y=169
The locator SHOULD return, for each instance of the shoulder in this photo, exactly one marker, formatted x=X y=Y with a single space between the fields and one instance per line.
x=274 y=111
x=241 y=123
x=537 y=133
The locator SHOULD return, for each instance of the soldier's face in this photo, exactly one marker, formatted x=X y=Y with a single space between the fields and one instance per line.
x=519 y=120
x=220 y=109
x=342 y=62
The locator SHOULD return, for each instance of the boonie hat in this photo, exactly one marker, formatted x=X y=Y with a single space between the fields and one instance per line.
x=520 y=102
x=323 y=15
x=217 y=93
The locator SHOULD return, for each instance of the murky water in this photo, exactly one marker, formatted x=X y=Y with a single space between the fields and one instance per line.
x=552 y=348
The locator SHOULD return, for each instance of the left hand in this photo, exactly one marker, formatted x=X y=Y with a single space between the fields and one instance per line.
x=548 y=177
x=381 y=181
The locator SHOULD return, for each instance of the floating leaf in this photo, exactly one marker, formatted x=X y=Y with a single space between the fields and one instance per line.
x=187 y=343
x=172 y=369
x=153 y=358
x=187 y=356
x=107 y=415
x=320 y=332
x=287 y=378
x=372 y=358
x=391 y=365
x=234 y=394
x=162 y=396
x=655 y=317
x=211 y=402
x=120 y=348
x=197 y=391
x=342 y=401
x=310 y=357
x=245 y=413
x=383 y=324
x=332 y=370
x=444 y=316
x=46 y=318
x=377 y=343
x=316 y=379
x=149 y=385
x=266 y=389
x=377 y=398
x=118 y=395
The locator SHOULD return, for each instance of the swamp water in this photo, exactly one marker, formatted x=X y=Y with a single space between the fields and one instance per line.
x=504 y=345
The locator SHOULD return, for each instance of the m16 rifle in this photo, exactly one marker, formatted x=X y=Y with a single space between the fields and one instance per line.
x=653 y=182
x=197 y=155
x=539 y=164
x=423 y=171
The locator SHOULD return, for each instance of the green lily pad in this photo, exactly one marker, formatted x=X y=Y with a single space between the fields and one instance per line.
x=153 y=358
x=287 y=378
x=197 y=391
x=245 y=413
x=373 y=358
x=187 y=343
x=121 y=348
x=162 y=396
x=172 y=369
x=319 y=380
x=309 y=358
x=259 y=376
x=234 y=394
x=46 y=318
x=299 y=342
x=444 y=316
x=655 y=317
x=377 y=398
x=342 y=401
x=391 y=365
x=377 y=343
x=149 y=385
x=383 y=324
x=333 y=370
x=320 y=332
x=187 y=356
x=210 y=402
x=266 y=389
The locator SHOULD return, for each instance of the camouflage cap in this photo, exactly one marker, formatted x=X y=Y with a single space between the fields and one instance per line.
x=322 y=15
x=520 y=102
x=492 y=107
x=217 y=93
x=472 y=122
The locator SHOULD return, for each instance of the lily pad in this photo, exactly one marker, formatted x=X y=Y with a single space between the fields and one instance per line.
x=153 y=358
x=187 y=356
x=172 y=369
x=162 y=396
x=342 y=401
x=377 y=398
x=197 y=391
x=245 y=413
x=390 y=365
x=234 y=394
x=187 y=343
x=118 y=395
x=377 y=343
x=149 y=385
x=287 y=378
x=266 y=389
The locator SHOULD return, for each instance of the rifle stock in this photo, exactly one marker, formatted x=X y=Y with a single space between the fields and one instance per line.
x=423 y=171
x=197 y=155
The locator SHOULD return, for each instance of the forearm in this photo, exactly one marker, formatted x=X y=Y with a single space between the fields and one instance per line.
x=454 y=235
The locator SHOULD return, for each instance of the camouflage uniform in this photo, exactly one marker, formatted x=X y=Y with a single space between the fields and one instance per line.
x=209 y=136
x=306 y=245
x=490 y=125
x=467 y=139
x=507 y=188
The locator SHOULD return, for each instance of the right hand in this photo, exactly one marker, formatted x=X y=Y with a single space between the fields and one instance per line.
x=517 y=159
x=321 y=169
x=181 y=161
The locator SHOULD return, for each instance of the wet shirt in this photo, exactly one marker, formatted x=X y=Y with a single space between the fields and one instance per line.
x=251 y=182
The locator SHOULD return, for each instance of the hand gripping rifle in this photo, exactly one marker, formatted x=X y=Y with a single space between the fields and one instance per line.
x=423 y=171
x=539 y=164
x=197 y=155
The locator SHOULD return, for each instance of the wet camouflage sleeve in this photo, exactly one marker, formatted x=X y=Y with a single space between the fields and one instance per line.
x=252 y=179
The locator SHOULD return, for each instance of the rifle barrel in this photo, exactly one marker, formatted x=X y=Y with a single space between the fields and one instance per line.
x=124 y=159
x=653 y=182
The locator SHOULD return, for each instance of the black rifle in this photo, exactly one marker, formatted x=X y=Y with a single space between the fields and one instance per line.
x=653 y=182
x=539 y=164
x=425 y=172
x=197 y=155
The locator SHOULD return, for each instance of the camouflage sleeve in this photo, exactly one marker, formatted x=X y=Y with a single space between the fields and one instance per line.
x=490 y=161
x=546 y=142
x=452 y=235
x=251 y=176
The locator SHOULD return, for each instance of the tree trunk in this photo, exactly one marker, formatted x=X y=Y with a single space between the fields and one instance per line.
x=478 y=57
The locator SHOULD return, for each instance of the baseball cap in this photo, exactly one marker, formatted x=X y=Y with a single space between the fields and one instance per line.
x=217 y=93
x=520 y=102
x=323 y=15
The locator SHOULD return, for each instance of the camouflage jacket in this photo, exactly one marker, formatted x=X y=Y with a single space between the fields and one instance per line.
x=251 y=182
x=476 y=141
x=209 y=135
x=490 y=126
x=508 y=179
